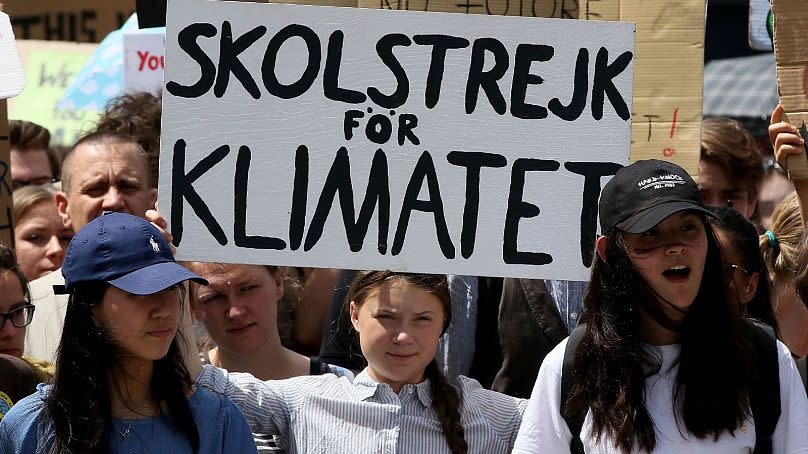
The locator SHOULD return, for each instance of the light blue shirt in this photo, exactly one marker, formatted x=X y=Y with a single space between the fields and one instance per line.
x=222 y=429
x=568 y=297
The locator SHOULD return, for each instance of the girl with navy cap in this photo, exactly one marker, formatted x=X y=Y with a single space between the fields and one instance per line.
x=120 y=383
x=664 y=361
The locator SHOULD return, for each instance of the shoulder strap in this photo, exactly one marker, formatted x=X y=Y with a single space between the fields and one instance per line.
x=315 y=365
x=802 y=366
x=574 y=422
x=764 y=396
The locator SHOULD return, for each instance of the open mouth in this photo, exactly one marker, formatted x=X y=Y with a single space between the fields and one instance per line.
x=677 y=273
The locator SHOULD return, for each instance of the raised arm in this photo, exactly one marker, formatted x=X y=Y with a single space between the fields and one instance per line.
x=787 y=142
x=263 y=403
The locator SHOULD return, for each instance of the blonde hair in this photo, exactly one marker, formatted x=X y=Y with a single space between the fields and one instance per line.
x=292 y=292
x=781 y=256
x=27 y=197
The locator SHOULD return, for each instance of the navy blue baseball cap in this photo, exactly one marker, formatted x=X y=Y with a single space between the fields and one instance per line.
x=125 y=251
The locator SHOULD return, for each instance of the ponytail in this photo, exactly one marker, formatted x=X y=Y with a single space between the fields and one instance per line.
x=446 y=403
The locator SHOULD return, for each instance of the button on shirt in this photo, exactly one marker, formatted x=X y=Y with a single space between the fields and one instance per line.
x=327 y=414
x=568 y=297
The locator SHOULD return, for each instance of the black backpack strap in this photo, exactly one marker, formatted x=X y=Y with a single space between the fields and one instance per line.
x=315 y=365
x=764 y=396
x=574 y=422
x=802 y=366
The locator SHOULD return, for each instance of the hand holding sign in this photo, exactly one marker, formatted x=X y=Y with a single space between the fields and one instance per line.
x=790 y=42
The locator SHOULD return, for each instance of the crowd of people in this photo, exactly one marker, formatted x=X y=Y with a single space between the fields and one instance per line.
x=691 y=333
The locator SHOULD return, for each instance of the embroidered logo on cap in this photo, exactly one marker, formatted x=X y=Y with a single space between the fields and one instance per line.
x=155 y=247
x=662 y=181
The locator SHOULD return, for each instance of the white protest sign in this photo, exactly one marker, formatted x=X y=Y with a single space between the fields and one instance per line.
x=373 y=139
x=12 y=76
x=144 y=60
x=759 y=15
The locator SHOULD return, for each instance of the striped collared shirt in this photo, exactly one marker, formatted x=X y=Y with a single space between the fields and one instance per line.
x=327 y=414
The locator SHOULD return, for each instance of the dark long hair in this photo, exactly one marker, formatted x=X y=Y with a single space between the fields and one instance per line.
x=445 y=400
x=79 y=402
x=711 y=391
x=744 y=237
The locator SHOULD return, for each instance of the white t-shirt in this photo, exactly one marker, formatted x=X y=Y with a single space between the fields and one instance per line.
x=42 y=336
x=545 y=431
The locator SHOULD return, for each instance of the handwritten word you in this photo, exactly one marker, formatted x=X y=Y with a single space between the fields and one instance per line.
x=149 y=61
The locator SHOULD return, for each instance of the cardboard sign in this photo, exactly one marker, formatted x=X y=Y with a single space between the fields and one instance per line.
x=12 y=77
x=426 y=142
x=50 y=67
x=759 y=14
x=144 y=60
x=668 y=76
x=790 y=42
x=86 y=21
x=564 y=9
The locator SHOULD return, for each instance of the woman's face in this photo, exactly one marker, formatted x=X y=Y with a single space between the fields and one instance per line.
x=399 y=326
x=670 y=257
x=12 y=339
x=742 y=283
x=41 y=240
x=142 y=325
x=239 y=305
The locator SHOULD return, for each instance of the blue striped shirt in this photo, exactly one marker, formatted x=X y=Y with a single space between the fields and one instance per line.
x=329 y=414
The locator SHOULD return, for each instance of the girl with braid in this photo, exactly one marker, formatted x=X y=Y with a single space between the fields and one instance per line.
x=401 y=403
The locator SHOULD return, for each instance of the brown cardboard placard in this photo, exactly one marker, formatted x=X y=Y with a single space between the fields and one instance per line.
x=87 y=21
x=6 y=223
x=564 y=9
x=668 y=75
x=791 y=55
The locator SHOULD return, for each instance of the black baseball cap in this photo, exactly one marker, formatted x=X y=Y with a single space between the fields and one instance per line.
x=643 y=194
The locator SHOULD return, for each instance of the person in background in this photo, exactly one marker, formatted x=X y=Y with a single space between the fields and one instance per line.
x=776 y=186
x=19 y=374
x=102 y=172
x=138 y=116
x=730 y=166
x=400 y=403
x=17 y=312
x=40 y=239
x=238 y=308
x=779 y=247
x=743 y=264
x=32 y=162
x=120 y=383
